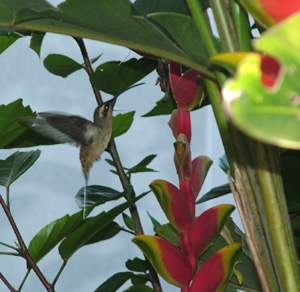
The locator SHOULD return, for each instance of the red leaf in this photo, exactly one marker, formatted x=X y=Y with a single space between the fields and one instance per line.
x=200 y=168
x=207 y=227
x=185 y=90
x=174 y=204
x=168 y=260
x=216 y=271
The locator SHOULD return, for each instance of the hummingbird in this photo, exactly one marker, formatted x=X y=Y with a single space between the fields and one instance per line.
x=91 y=137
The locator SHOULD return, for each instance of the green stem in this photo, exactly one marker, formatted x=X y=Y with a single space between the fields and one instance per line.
x=9 y=246
x=59 y=272
x=221 y=18
x=212 y=88
x=255 y=167
x=273 y=207
x=242 y=26
x=24 y=279
x=203 y=26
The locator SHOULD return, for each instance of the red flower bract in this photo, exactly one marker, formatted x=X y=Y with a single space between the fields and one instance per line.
x=270 y=69
x=279 y=9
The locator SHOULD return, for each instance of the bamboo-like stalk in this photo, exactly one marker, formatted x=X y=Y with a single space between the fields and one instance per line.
x=258 y=185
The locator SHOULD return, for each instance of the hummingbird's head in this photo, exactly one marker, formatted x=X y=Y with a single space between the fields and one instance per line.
x=103 y=112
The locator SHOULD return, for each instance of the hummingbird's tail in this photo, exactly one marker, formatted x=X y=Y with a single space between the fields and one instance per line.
x=84 y=198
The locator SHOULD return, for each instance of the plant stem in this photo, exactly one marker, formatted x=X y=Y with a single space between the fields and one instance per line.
x=7 y=197
x=255 y=168
x=212 y=88
x=24 y=279
x=112 y=149
x=7 y=284
x=226 y=35
x=23 y=249
x=59 y=272
x=242 y=27
x=9 y=246
x=88 y=67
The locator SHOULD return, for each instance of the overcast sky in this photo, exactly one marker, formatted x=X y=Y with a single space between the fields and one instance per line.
x=46 y=191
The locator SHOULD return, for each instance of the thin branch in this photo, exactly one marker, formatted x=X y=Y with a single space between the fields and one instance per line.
x=10 y=254
x=7 y=197
x=88 y=67
x=23 y=249
x=59 y=272
x=7 y=284
x=24 y=279
x=9 y=246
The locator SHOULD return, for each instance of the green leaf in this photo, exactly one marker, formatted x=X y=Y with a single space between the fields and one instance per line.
x=107 y=232
x=6 y=41
x=122 y=123
x=137 y=265
x=90 y=228
x=110 y=162
x=155 y=223
x=15 y=165
x=264 y=99
x=50 y=235
x=139 y=288
x=146 y=160
x=168 y=232
x=138 y=169
x=142 y=166
x=223 y=163
x=183 y=30
x=113 y=283
x=10 y=129
x=139 y=279
x=61 y=65
x=162 y=107
x=128 y=221
x=12 y=133
x=118 y=25
x=115 y=76
x=97 y=195
x=145 y=7
x=215 y=193
x=36 y=42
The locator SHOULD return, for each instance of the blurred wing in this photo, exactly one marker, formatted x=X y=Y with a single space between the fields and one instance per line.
x=64 y=128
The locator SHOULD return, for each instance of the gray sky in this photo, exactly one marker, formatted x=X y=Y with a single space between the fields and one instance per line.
x=46 y=192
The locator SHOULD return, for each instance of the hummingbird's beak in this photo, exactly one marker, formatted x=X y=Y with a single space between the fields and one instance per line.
x=118 y=94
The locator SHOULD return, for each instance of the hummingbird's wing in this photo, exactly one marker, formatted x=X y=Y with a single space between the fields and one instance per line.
x=64 y=128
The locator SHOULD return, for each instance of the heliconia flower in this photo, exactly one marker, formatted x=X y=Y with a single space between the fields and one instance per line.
x=168 y=260
x=186 y=188
x=207 y=227
x=268 y=12
x=182 y=157
x=187 y=89
x=174 y=204
x=217 y=270
x=175 y=73
x=200 y=168
x=279 y=10
x=180 y=123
